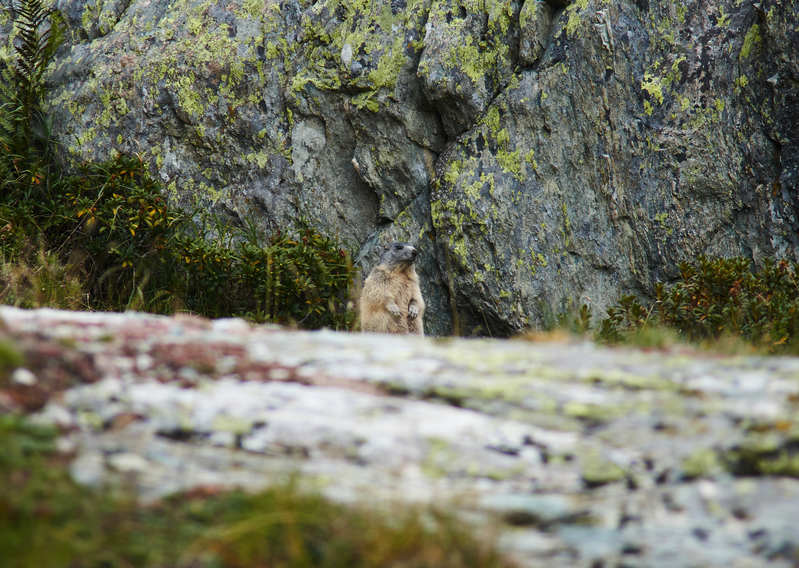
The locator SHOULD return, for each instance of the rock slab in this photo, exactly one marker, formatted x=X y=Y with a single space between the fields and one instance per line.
x=579 y=455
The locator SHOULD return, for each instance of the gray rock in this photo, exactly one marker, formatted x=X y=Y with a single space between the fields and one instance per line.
x=128 y=463
x=88 y=469
x=544 y=154
x=470 y=51
x=575 y=454
x=54 y=414
x=535 y=24
x=23 y=376
x=559 y=195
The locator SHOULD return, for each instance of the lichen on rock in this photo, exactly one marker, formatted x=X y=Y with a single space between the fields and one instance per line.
x=568 y=451
x=556 y=153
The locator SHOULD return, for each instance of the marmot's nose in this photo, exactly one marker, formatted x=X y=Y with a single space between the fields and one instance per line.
x=413 y=250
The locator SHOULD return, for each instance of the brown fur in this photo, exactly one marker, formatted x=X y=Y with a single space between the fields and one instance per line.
x=391 y=300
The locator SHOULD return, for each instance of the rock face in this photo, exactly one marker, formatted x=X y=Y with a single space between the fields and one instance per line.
x=641 y=138
x=578 y=456
x=540 y=154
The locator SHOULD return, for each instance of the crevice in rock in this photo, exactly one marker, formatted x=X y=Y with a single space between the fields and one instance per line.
x=789 y=198
x=179 y=435
x=558 y=4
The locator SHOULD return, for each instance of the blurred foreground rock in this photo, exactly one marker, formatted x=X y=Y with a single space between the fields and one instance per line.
x=583 y=456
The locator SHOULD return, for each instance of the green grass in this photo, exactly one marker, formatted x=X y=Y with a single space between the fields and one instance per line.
x=48 y=520
x=723 y=305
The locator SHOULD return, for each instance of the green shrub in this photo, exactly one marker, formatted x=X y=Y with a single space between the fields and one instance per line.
x=717 y=298
x=115 y=232
x=25 y=149
x=135 y=251
x=301 y=278
x=118 y=226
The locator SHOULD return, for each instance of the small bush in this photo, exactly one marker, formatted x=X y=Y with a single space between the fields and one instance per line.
x=719 y=298
x=301 y=279
x=115 y=232
x=25 y=149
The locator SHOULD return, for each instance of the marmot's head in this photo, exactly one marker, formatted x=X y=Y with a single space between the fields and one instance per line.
x=397 y=255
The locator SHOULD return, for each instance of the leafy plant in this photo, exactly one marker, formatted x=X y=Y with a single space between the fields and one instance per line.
x=119 y=227
x=40 y=34
x=716 y=298
x=26 y=158
x=139 y=252
x=301 y=278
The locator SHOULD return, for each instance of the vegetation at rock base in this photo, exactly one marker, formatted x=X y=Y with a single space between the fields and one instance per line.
x=48 y=520
x=716 y=299
x=105 y=237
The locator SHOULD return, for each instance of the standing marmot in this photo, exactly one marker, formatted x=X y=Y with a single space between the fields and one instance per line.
x=391 y=301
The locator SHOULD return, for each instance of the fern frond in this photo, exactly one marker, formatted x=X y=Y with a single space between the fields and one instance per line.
x=40 y=32
x=23 y=133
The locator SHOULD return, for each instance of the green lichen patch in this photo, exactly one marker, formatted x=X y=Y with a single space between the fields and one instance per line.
x=591 y=413
x=769 y=448
x=479 y=29
x=752 y=40
x=205 y=77
x=358 y=46
x=754 y=460
x=440 y=455
x=574 y=14
x=468 y=55
x=597 y=470
x=704 y=462
x=629 y=381
x=457 y=204
x=511 y=159
x=652 y=86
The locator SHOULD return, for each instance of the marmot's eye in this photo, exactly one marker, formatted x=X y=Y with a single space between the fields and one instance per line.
x=397 y=247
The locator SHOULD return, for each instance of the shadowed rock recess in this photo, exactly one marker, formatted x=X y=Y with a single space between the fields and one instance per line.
x=579 y=456
x=540 y=154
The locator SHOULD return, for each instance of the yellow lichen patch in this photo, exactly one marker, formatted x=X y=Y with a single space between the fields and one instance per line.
x=652 y=86
x=751 y=40
x=368 y=33
x=574 y=14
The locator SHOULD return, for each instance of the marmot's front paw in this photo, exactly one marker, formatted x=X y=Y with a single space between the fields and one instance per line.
x=413 y=312
x=394 y=310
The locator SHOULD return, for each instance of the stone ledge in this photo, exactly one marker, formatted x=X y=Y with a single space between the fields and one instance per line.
x=582 y=453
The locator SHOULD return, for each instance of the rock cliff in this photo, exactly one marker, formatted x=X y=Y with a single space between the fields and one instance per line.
x=541 y=154
x=579 y=456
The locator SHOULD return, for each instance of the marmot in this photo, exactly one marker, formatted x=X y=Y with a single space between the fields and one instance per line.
x=391 y=301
